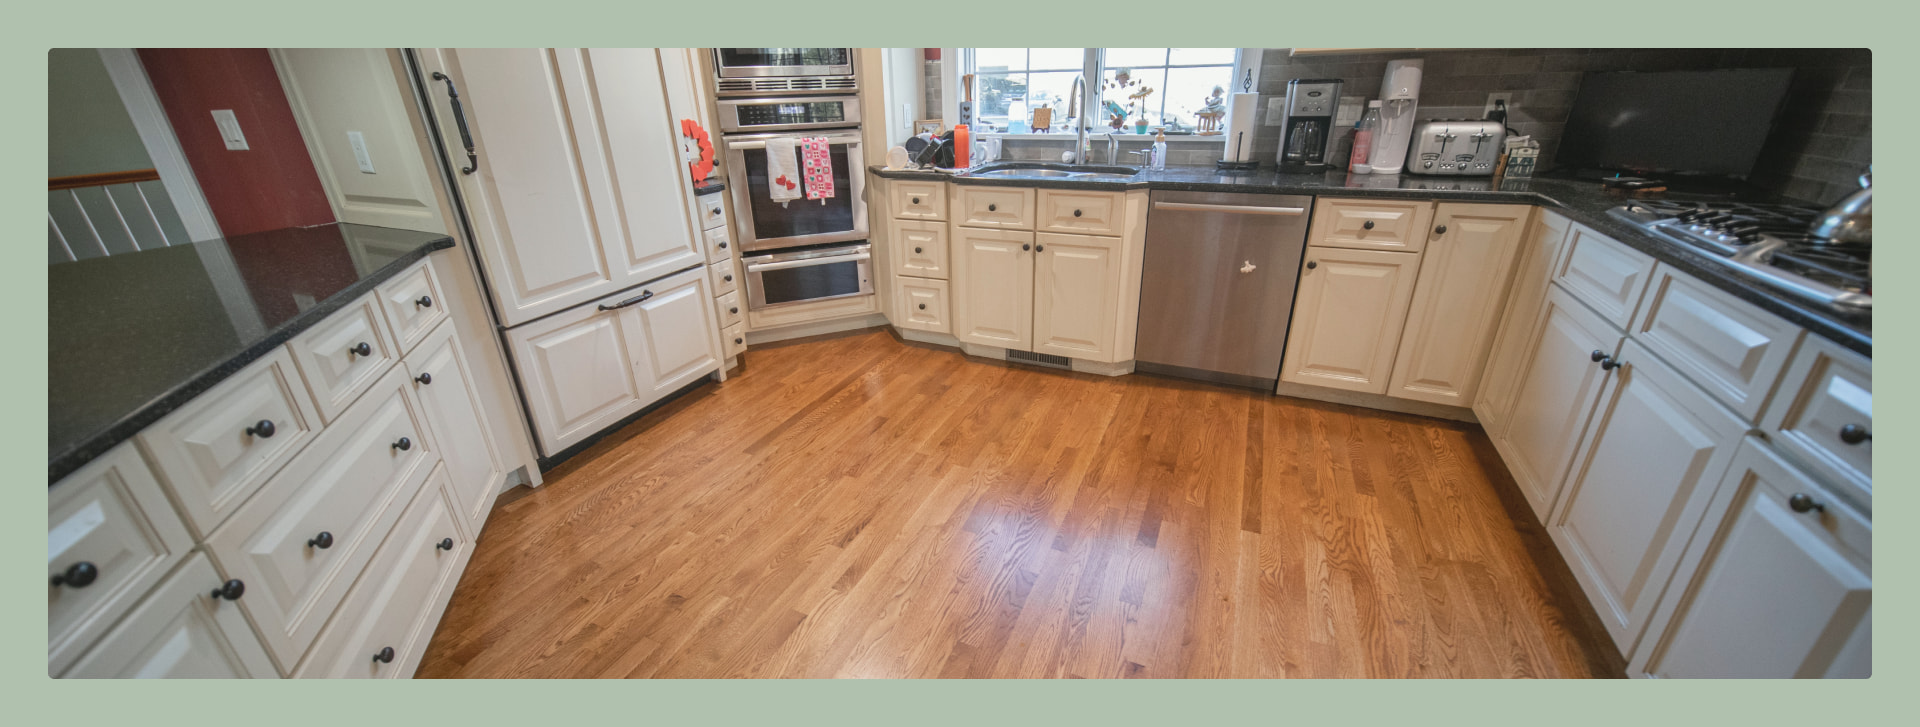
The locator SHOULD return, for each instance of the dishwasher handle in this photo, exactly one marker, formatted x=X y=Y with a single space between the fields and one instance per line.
x=1238 y=209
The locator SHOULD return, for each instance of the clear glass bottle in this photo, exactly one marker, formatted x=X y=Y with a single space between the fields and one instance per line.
x=1363 y=139
x=1159 y=150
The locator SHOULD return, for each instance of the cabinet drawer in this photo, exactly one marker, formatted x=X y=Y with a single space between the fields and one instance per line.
x=343 y=355
x=717 y=245
x=178 y=632
x=920 y=249
x=402 y=596
x=1823 y=416
x=713 y=211
x=918 y=200
x=1370 y=224
x=1004 y=207
x=722 y=277
x=110 y=536
x=728 y=308
x=224 y=444
x=733 y=340
x=1604 y=274
x=413 y=305
x=922 y=304
x=1731 y=349
x=1086 y=213
x=350 y=485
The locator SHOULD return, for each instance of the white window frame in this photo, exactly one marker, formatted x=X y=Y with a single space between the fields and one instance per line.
x=1246 y=75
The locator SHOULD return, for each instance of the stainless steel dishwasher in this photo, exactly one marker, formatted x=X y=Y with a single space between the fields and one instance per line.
x=1217 y=282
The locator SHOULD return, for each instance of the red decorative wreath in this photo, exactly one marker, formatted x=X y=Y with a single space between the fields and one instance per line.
x=702 y=166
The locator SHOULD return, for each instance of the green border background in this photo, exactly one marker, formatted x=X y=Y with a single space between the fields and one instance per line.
x=29 y=30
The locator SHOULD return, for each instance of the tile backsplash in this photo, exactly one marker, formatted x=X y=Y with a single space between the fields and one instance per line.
x=1822 y=141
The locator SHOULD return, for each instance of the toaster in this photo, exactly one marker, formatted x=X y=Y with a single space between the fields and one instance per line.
x=1456 y=147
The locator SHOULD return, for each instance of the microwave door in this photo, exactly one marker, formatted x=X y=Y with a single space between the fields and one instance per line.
x=776 y=62
x=767 y=225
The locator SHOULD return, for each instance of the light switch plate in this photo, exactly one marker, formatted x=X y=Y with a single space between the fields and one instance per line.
x=230 y=129
x=360 y=155
x=1276 y=111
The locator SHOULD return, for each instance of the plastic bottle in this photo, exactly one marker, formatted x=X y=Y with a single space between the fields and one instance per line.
x=962 y=147
x=1159 y=150
x=1363 y=138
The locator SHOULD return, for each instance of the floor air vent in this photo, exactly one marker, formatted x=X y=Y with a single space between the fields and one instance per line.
x=1040 y=359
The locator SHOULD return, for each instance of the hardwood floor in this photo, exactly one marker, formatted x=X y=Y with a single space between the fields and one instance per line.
x=858 y=506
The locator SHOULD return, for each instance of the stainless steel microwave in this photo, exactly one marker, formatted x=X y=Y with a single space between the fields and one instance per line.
x=773 y=71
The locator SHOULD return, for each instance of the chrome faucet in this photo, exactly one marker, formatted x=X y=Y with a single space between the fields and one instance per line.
x=1113 y=147
x=1079 y=118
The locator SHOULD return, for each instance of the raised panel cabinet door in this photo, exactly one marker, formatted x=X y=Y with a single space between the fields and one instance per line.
x=577 y=372
x=1347 y=318
x=446 y=389
x=915 y=200
x=1823 y=416
x=1371 y=224
x=1004 y=207
x=1076 y=295
x=110 y=536
x=1456 y=303
x=179 y=631
x=1556 y=382
x=1779 y=583
x=673 y=333
x=1604 y=274
x=920 y=249
x=630 y=148
x=993 y=287
x=1730 y=348
x=1081 y=213
x=1533 y=272
x=414 y=304
x=922 y=304
x=342 y=356
x=528 y=200
x=1638 y=488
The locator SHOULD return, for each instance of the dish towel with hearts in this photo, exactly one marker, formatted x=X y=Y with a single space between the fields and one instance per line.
x=783 y=180
x=818 y=162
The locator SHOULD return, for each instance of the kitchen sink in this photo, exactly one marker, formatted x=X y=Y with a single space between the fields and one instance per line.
x=1091 y=172
x=1024 y=173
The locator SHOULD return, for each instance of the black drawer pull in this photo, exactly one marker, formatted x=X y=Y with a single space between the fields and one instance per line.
x=384 y=655
x=917 y=250
x=1610 y=363
x=424 y=302
x=322 y=541
x=1854 y=434
x=424 y=379
x=739 y=340
x=262 y=429
x=1368 y=225
x=231 y=590
x=641 y=298
x=78 y=575
x=1311 y=264
x=444 y=544
x=993 y=208
x=728 y=277
x=1802 y=502
x=916 y=200
x=735 y=309
x=923 y=306
x=1441 y=230
x=361 y=348
x=1076 y=213
x=404 y=444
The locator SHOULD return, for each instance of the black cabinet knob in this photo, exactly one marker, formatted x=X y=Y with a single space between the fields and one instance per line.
x=916 y=200
x=918 y=250
x=1597 y=356
x=1854 y=434
x=1802 y=502
x=1039 y=248
x=424 y=379
x=1441 y=230
x=738 y=340
x=384 y=655
x=734 y=309
x=322 y=541
x=715 y=211
x=993 y=208
x=1076 y=213
x=424 y=302
x=231 y=590
x=78 y=575
x=723 y=246
x=1025 y=246
x=1610 y=363
x=261 y=429
x=1311 y=264
x=361 y=348
x=728 y=277
x=444 y=544
x=923 y=306
x=1368 y=225
x=404 y=444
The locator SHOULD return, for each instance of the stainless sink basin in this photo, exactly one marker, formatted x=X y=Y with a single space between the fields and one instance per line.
x=1089 y=172
x=1024 y=173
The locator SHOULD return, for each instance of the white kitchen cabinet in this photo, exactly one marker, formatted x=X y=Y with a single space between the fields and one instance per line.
x=919 y=249
x=1604 y=274
x=994 y=207
x=1823 y=416
x=917 y=200
x=1371 y=224
x=1768 y=590
x=1728 y=347
x=578 y=192
x=342 y=356
x=993 y=287
x=1556 y=381
x=1533 y=272
x=1456 y=302
x=1082 y=213
x=438 y=369
x=1348 y=313
x=1076 y=295
x=179 y=631
x=1638 y=488
x=413 y=305
x=921 y=304
x=590 y=366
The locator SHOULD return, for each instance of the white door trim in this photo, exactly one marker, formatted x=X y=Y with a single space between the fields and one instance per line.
x=150 y=120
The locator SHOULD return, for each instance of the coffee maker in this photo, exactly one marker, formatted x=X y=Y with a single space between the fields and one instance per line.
x=1308 y=138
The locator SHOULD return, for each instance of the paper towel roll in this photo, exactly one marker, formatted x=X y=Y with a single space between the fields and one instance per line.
x=1242 y=117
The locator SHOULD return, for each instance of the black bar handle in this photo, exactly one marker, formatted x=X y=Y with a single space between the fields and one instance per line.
x=642 y=297
x=460 y=120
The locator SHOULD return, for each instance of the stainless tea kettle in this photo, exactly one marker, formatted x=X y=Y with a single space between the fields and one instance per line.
x=1851 y=221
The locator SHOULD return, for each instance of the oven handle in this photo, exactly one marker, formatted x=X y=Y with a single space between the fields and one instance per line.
x=808 y=262
x=759 y=141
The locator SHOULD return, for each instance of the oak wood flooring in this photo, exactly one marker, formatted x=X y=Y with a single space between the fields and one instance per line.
x=859 y=506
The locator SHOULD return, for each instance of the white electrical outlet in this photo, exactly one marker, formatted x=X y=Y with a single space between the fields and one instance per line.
x=1276 y=111
x=1506 y=96
x=230 y=129
x=360 y=155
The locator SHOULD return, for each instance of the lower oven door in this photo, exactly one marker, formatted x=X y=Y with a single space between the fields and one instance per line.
x=769 y=225
x=808 y=276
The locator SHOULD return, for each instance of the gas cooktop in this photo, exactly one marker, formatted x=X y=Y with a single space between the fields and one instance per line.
x=1768 y=243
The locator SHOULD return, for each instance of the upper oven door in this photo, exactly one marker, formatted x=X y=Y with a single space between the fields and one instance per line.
x=765 y=62
x=767 y=225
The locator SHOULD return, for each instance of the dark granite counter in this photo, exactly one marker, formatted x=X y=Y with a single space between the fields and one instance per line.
x=1582 y=201
x=132 y=337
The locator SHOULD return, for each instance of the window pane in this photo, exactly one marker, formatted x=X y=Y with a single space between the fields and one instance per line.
x=1187 y=90
x=1199 y=56
x=1058 y=59
x=999 y=59
x=994 y=92
x=1052 y=90
x=1123 y=57
x=1115 y=95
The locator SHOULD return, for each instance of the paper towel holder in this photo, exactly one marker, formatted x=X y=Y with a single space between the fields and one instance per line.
x=1233 y=145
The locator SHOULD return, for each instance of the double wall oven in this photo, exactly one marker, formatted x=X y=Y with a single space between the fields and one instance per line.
x=801 y=250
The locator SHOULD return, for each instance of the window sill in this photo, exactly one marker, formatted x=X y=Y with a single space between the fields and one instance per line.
x=1102 y=136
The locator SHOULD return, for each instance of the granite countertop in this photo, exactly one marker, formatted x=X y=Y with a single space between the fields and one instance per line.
x=1582 y=201
x=133 y=337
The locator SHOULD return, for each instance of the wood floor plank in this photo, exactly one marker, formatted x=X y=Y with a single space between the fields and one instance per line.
x=858 y=506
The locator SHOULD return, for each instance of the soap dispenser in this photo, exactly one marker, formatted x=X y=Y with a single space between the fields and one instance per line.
x=1159 y=150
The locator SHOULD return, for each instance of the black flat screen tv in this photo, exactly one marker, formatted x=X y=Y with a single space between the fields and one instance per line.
x=1710 y=123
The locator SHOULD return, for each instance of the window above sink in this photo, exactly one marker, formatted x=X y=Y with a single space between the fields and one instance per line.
x=1011 y=82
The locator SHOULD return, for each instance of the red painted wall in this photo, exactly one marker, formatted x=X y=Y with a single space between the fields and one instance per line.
x=269 y=186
